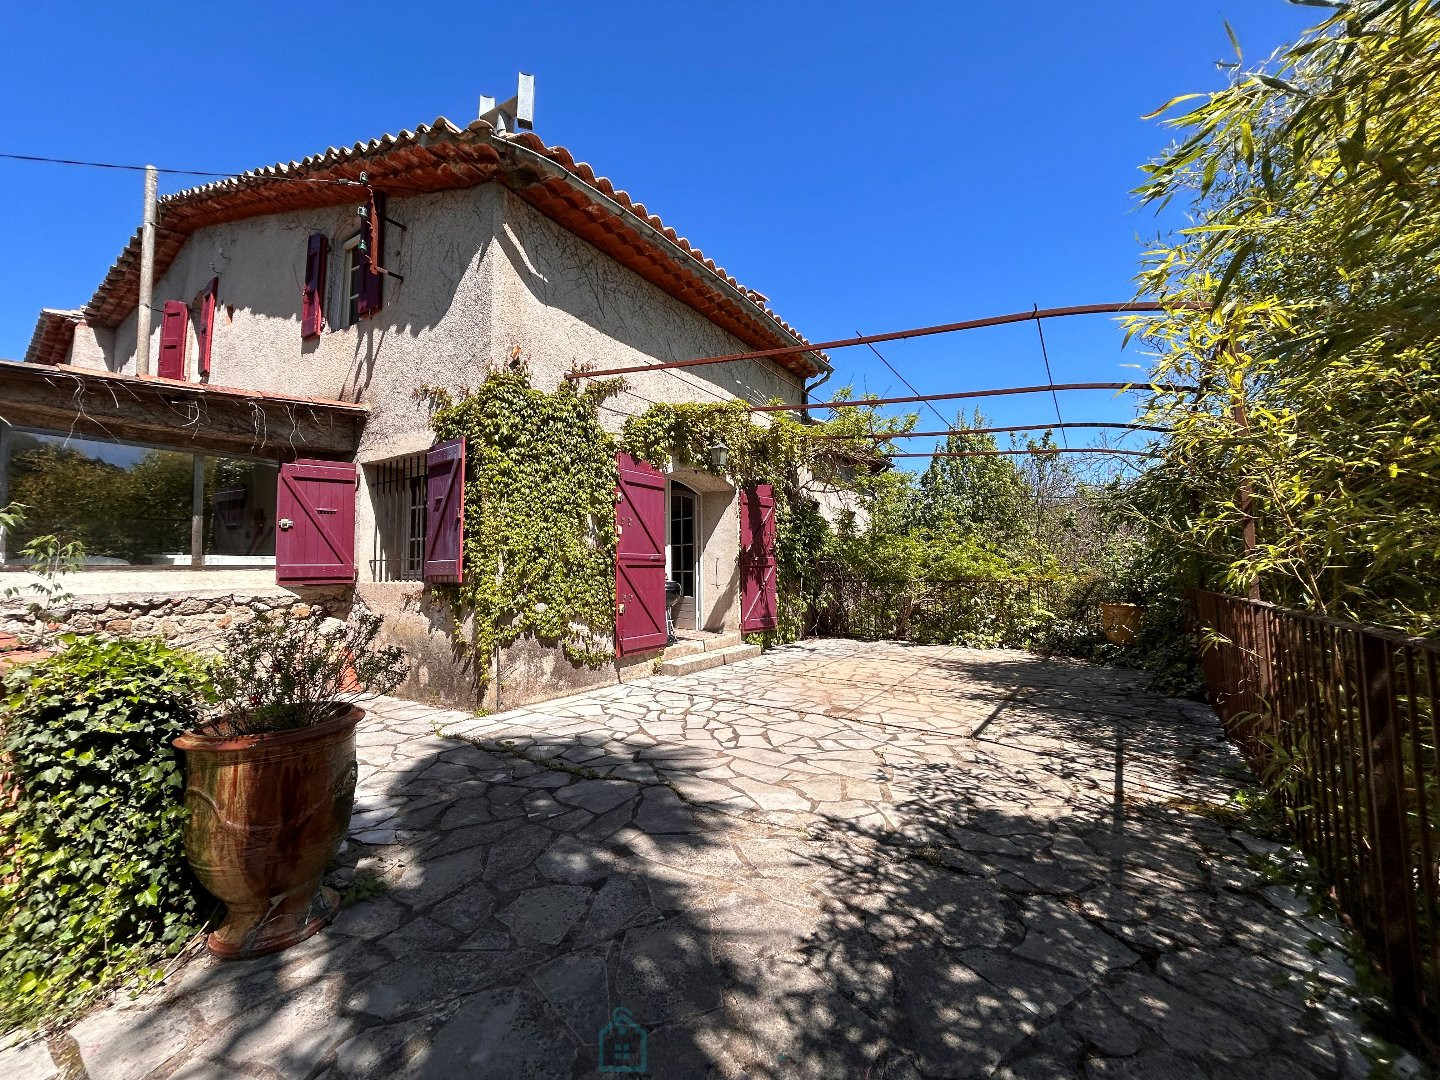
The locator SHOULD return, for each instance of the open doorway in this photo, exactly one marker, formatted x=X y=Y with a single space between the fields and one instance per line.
x=683 y=555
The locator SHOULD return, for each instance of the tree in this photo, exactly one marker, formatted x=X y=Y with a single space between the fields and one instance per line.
x=1304 y=301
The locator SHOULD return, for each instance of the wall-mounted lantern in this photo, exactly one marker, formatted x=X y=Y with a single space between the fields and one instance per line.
x=719 y=455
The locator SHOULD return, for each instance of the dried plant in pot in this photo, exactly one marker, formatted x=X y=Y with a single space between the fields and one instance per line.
x=270 y=774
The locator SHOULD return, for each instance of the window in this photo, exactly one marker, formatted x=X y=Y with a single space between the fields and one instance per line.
x=356 y=272
x=682 y=538
x=398 y=492
x=136 y=505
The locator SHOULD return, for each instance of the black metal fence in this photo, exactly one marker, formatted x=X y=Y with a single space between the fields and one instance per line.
x=1339 y=720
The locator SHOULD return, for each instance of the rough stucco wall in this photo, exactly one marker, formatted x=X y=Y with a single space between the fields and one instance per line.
x=564 y=303
x=484 y=272
x=91 y=347
x=432 y=330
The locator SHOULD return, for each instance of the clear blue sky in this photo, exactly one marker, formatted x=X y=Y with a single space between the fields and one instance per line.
x=868 y=167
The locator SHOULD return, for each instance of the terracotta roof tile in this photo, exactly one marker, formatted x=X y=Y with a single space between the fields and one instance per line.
x=54 y=331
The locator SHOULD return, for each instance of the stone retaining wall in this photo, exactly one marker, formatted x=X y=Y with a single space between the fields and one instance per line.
x=192 y=620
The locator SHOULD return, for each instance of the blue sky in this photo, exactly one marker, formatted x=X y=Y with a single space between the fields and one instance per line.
x=867 y=168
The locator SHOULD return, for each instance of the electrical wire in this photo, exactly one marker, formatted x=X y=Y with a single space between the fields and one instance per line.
x=1050 y=377
x=904 y=380
x=36 y=158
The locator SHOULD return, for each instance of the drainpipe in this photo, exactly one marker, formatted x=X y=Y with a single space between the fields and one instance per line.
x=147 y=274
x=805 y=400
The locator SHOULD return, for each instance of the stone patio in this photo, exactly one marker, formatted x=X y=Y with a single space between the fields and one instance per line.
x=837 y=860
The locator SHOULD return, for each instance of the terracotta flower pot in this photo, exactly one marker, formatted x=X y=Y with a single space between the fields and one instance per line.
x=267 y=813
x=1121 y=622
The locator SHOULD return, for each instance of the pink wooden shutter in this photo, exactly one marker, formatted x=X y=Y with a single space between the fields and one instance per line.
x=205 y=330
x=315 y=508
x=172 y=340
x=639 y=558
x=758 y=593
x=445 y=511
x=371 y=283
x=312 y=308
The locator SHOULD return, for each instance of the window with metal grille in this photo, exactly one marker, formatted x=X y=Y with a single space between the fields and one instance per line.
x=398 y=494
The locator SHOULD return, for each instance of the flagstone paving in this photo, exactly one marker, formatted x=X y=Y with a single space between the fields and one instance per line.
x=836 y=860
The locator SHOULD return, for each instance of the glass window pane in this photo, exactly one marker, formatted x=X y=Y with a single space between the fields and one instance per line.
x=126 y=504
x=239 y=512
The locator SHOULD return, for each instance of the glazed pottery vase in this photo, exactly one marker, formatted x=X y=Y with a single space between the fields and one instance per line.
x=267 y=813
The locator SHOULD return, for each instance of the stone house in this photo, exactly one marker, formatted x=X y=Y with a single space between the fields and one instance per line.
x=277 y=454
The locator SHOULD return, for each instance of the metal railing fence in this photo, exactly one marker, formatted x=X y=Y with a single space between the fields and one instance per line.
x=1339 y=721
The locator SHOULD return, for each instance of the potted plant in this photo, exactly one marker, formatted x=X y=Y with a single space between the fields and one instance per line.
x=270 y=775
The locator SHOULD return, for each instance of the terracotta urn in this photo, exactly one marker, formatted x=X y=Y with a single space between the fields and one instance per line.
x=1121 y=622
x=267 y=813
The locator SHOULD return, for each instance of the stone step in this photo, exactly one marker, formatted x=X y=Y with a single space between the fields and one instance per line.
x=683 y=647
x=688 y=665
x=716 y=642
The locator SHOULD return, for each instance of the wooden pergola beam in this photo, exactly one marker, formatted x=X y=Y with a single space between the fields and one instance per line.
x=165 y=412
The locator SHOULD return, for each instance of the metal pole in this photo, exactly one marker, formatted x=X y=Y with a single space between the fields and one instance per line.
x=1044 y=452
x=147 y=274
x=851 y=403
x=1135 y=306
x=996 y=430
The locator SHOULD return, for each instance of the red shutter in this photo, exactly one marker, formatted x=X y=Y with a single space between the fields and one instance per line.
x=371 y=290
x=205 y=330
x=315 y=508
x=445 y=511
x=639 y=558
x=173 y=324
x=312 y=313
x=758 y=593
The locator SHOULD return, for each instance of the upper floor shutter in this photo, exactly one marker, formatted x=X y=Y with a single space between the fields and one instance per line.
x=205 y=328
x=315 y=511
x=173 y=324
x=445 y=511
x=312 y=306
x=639 y=558
x=759 y=593
x=371 y=282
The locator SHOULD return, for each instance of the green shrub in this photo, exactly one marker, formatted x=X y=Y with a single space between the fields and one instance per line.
x=93 y=879
x=280 y=672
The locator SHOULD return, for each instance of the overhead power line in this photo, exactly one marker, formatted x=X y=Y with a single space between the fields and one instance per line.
x=36 y=158
x=1045 y=355
x=909 y=385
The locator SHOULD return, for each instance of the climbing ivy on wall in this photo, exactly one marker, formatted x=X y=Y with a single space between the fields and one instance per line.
x=540 y=515
x=540 y=501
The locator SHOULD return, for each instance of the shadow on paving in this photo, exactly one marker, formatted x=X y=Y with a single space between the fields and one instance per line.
x=1033 y=913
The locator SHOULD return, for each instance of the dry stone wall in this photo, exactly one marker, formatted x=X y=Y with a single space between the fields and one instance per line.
x=192 y=620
